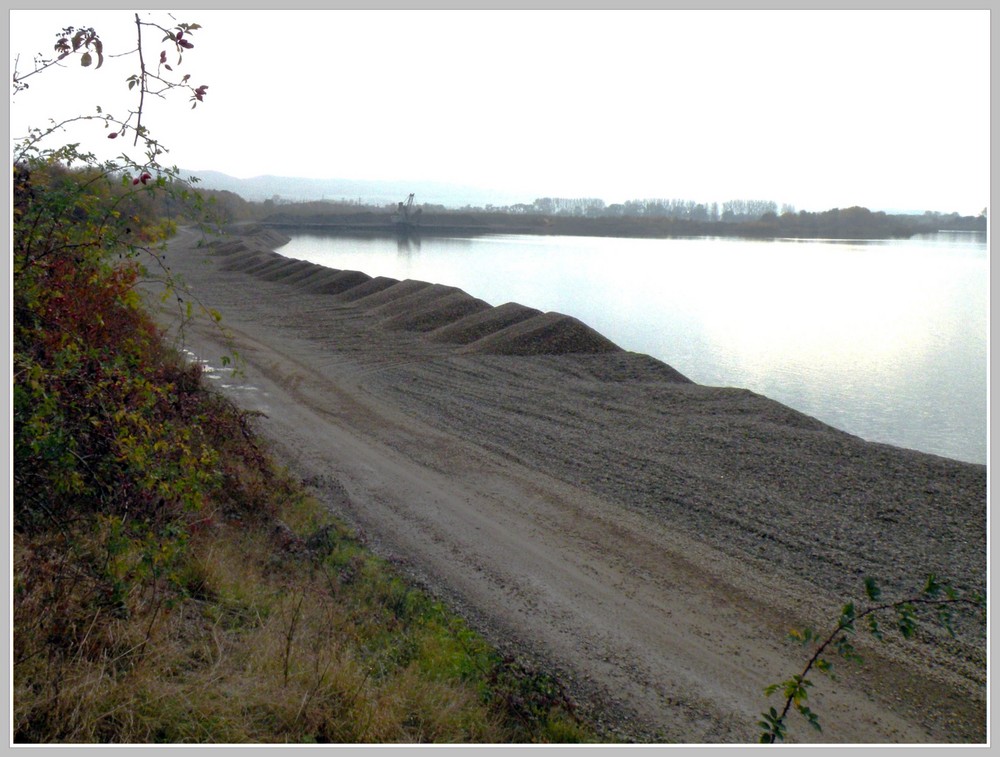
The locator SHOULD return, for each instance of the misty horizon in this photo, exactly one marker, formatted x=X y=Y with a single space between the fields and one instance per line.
x=338 y=189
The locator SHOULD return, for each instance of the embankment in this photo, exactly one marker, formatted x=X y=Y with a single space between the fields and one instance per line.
x=650 y=539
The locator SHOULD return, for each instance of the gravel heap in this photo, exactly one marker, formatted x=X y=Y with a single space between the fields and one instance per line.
x=479 y=325
x=545 y=334
x=444 y=313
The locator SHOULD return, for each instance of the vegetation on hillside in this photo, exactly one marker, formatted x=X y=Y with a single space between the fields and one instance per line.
x=170 y=582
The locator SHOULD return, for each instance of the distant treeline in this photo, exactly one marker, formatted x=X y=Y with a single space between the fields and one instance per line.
x=591 y=217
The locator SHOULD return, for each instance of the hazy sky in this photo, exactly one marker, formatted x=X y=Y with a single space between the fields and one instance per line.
x=818 y=109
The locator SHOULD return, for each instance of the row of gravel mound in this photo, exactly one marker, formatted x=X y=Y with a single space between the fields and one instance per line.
x=442 y=313
x=256 y=235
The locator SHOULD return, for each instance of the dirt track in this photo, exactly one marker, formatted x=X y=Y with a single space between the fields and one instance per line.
x=650 y=540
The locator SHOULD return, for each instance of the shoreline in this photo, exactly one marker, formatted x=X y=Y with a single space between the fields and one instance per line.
x=477 y=444
x=939 y=417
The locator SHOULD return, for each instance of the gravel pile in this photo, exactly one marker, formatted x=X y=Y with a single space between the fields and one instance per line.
x=289 y=270
x=410 y=302
x=267 y=264
x=482 y=324
x=241 y=260
x=341 y=281
x=438 y=312
x=545 y=334
x=377 y=284
x=390 y=294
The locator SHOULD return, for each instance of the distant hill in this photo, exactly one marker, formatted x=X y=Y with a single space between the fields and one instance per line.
x=293 y=189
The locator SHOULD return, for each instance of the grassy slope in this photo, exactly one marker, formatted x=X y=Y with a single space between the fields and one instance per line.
x=170 y=583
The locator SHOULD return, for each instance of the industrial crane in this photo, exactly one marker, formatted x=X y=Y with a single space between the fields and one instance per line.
x=405 y=216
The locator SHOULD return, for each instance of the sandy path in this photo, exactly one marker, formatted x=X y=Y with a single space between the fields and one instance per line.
x=651 y=540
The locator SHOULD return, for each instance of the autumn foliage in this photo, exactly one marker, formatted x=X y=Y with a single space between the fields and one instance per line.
x=122 y=456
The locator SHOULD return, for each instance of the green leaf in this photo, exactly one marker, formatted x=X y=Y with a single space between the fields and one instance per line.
x=932 y=588
x=872 y=590
x=802 y=637
x=810 y=716
x=944 y=616
x=795 y=688
x=906 y=622
x=846 y=649
x=847 y=615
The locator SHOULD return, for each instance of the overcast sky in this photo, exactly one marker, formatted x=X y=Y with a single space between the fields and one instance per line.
x=817 y=109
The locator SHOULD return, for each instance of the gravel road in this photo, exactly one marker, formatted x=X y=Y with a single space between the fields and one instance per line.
x=591 y=510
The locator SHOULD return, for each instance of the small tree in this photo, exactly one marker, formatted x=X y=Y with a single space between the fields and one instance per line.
x=936 y=597
x=132 y=222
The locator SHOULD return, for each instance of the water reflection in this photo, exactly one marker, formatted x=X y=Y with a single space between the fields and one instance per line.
x=407 y=244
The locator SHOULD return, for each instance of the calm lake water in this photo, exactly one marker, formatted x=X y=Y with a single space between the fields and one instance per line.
x=885 y=340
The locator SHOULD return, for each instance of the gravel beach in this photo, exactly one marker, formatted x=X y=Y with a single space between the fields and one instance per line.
x=591 y=510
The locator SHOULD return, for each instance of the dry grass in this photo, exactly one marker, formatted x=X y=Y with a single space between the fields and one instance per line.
x=280 y=634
